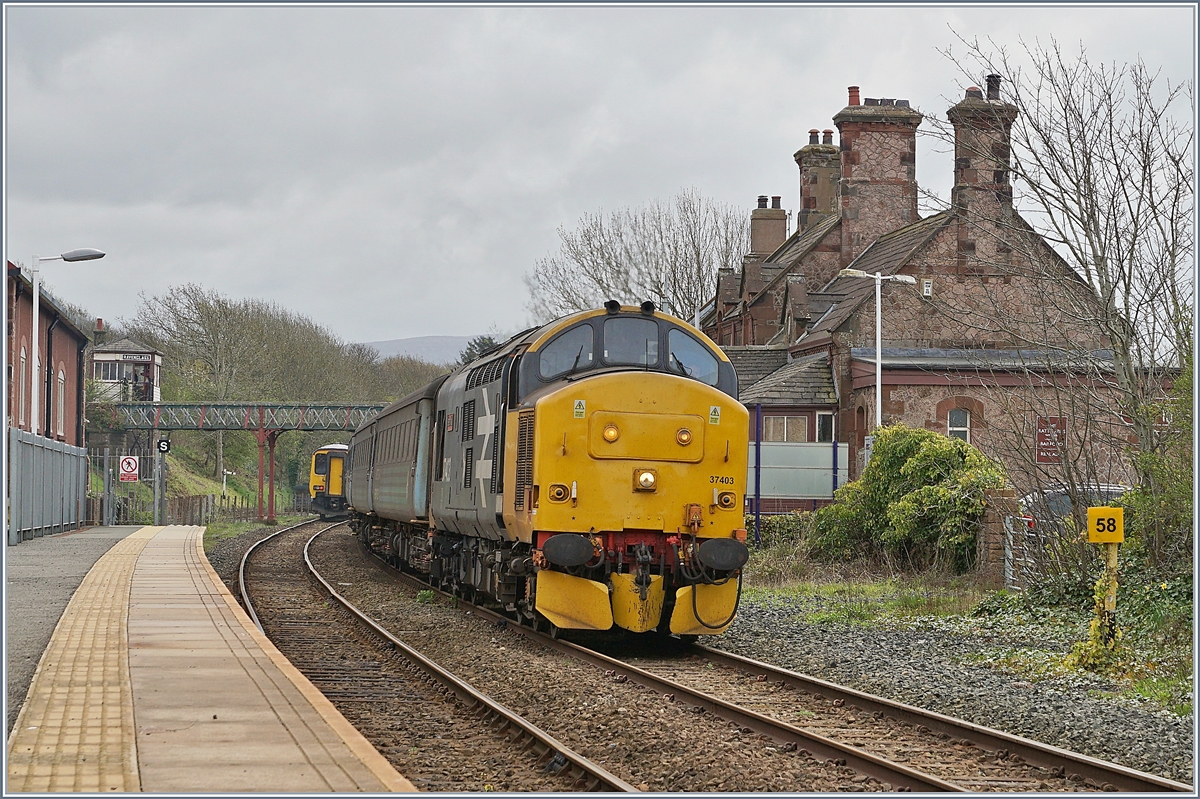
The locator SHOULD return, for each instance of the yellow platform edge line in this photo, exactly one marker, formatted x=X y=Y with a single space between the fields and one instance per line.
x=355 y=741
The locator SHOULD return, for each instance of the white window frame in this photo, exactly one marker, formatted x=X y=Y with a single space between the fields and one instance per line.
x=832 y=428
x=789 y=422
x=24 y=385
x=62 y=405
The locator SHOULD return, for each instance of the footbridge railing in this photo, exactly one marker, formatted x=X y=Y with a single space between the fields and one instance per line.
x=266 y=420
x=241 y=416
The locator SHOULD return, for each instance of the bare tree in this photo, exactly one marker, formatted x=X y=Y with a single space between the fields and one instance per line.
x=1101 y=158
x=667 y=252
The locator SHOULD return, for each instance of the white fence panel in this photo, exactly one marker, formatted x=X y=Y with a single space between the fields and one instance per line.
x=798 y=471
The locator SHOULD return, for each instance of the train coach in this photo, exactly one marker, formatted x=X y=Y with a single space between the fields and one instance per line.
x=588 y=474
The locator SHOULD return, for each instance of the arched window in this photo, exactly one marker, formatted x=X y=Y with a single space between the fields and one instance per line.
x=958 y=424
x=24 y=386
x=62 y=406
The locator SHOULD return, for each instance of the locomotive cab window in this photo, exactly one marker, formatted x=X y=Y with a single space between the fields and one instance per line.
x=631 y=341
x=321 y=463
x=568 y=352
x=690 y=357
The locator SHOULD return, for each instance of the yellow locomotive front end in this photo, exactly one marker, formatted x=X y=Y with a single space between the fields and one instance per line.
x=629 y=485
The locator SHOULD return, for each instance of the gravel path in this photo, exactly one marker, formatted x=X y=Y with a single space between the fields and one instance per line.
x=925 y=668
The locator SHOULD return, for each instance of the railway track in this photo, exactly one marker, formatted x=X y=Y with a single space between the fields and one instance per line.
x=436 y=729
x=898 y=745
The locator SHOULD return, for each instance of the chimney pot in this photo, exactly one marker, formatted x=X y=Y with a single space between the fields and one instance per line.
x=853 y=95
x=827 y=136
x=993 y=87
x=775 y=200
x=973 y=92
x=812 y=136
x=99 y=323
x=762 y=201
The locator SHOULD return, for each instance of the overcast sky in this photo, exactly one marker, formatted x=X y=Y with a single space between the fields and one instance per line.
x=394 y=171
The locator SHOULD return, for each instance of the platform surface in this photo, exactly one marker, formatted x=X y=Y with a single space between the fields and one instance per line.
x=155 y=680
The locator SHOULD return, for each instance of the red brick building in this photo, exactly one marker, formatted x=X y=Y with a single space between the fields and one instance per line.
x=992 y=344
x=61 y=345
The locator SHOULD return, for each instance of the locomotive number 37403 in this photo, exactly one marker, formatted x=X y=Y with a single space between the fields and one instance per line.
x=715 y=479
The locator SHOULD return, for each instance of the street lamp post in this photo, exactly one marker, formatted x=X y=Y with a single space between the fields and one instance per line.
x=84 y=254
x=878 y=277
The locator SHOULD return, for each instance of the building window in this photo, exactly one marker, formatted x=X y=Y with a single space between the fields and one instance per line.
x=24 y=386
x=958 y=424
x=791 y=429
x=825 y=427
x=62 y=391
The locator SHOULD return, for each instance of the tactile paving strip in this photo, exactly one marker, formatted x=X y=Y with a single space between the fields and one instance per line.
x=75 y=731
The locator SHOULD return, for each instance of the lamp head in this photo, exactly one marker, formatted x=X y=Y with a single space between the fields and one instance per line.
x=909 y=279
x=82 y=254
x=853 y=273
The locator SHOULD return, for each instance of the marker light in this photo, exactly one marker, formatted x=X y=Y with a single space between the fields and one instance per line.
x=684 y=436
x=611 y=433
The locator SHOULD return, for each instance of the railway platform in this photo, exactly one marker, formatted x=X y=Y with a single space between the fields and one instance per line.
x=155 y=680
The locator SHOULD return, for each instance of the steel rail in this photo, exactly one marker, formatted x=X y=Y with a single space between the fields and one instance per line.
x=591 y=776
x=896 y=774
x=1108 y=776
x=246 y=557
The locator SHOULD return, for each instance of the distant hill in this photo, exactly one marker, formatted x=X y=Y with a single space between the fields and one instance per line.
x=431 y=349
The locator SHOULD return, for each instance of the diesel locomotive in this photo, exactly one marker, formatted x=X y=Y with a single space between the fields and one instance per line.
x=326 y=491
x=588 y=474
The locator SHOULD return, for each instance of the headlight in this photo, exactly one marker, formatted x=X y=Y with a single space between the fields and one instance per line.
x=684 y=436
x=611 y=433
x=645 y=480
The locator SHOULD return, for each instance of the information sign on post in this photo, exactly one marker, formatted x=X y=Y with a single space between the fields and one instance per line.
x=1106 y=527
x=129 y=469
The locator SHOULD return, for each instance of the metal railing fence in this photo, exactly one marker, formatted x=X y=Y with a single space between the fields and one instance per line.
x=47 y=486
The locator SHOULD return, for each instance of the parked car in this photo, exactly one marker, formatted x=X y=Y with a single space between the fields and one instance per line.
x=1048 y=507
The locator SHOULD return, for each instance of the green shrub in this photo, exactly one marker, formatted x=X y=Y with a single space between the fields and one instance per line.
x=920 y=500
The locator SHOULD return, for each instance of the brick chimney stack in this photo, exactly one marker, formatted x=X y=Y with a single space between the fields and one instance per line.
x=768 y=227
x=878 y=187
x=99 y=334
x=982 y=192
x=820 y=170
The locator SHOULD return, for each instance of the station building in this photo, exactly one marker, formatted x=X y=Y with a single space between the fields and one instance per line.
x=992 y=344
x=47 y=461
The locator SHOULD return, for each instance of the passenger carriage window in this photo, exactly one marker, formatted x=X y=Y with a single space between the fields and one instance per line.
x=569 y=352
x=631 y=341
x=690 y=357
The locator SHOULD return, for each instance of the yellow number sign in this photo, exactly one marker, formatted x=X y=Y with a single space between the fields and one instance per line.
x=1106 y=525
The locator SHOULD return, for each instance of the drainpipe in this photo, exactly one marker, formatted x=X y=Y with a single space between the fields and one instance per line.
x=757 y=474
x=49 y=373
x=79 y=390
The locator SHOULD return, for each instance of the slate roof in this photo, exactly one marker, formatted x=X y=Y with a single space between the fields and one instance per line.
x=753 y=363
x=933 y=359
x=125 y=345
x=887 y=255
x=796 y=247
x=804 y=381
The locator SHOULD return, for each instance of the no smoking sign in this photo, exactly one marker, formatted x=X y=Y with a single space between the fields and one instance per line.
x=129 y=469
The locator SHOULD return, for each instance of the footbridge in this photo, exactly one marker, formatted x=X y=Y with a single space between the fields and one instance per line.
x=264 y=419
